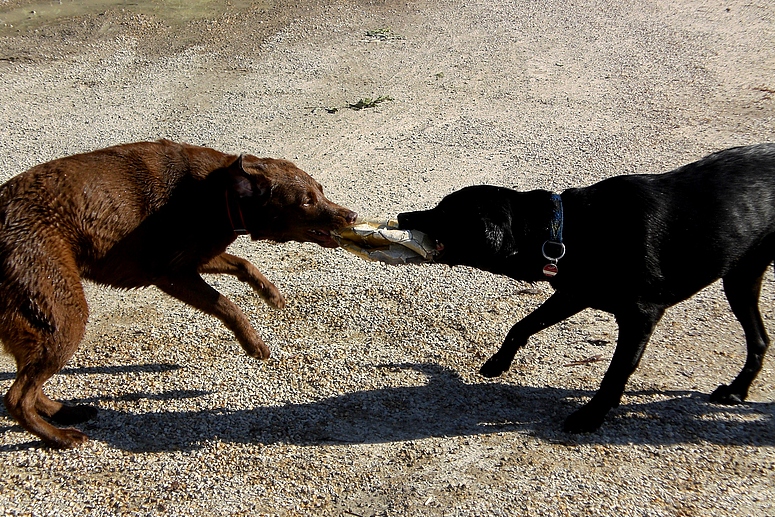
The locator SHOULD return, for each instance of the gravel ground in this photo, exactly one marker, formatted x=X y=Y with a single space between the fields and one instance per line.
x=371 y=404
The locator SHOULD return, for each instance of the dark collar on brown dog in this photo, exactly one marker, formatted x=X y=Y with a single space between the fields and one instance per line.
x=232 y=207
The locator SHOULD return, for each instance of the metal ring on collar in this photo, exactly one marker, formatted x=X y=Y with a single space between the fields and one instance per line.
x=562 y=250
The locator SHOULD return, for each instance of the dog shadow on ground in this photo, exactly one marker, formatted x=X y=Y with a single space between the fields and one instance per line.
x=445 y=406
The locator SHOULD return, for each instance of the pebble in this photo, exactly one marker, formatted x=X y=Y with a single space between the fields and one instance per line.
x=370 y=404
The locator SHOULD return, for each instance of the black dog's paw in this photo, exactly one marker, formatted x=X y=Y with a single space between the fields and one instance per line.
x=70 y=415
x=584 y=420
x=495 y=366
x=724 y=395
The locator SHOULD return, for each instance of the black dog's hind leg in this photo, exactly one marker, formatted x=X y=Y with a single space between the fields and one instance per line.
x=635 y=329
x=743 y=289
x=557 y=308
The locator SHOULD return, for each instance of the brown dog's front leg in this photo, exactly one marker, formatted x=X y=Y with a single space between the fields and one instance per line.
x=226 y=264
x=557 y=308
x=194 y=291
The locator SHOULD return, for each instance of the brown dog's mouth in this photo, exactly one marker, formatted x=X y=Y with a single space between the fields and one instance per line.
x=322 y=237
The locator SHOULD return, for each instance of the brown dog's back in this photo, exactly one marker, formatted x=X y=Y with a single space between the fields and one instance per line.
x=93 y=200
x=59 y=219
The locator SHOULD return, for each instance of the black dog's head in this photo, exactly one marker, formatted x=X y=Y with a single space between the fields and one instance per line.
x=473 y=227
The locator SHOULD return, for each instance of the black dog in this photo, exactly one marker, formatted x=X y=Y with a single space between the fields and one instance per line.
x=635 y=246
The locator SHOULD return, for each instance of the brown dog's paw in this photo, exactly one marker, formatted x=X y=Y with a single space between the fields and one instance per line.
x=268 y=292
x=70 y=415
x=257 y=350
x=66 y=439
x=273 y=298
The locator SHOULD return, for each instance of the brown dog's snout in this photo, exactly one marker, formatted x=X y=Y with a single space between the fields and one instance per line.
x=350 y=216
x=340 y=216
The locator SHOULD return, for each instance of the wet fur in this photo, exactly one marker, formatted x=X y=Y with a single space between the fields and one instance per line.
x=136 y=215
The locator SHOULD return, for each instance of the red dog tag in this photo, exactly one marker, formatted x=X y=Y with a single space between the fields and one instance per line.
x=550 y=270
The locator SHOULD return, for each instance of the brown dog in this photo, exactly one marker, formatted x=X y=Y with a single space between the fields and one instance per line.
x=134 y=215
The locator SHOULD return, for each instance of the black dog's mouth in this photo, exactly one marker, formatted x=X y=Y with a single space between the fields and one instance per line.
x=438 y=247
x=418 y=221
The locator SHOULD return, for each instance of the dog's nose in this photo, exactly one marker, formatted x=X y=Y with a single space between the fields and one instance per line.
x=423 y=220
x=350 y=216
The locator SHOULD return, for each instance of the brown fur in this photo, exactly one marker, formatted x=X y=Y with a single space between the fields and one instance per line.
x=134 y=215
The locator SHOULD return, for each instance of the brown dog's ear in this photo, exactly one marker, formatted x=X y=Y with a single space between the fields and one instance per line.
x=247 y=184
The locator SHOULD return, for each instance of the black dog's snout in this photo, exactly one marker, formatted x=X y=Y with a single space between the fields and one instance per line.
x=421 y=220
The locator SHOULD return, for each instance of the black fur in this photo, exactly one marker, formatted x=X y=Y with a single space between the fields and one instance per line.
x=635 y=244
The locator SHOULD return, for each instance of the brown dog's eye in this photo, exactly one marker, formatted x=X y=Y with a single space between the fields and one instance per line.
x=307 y=201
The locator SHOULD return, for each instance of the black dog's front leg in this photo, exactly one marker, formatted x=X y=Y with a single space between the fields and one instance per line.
x=635 y=329
x=557 y=308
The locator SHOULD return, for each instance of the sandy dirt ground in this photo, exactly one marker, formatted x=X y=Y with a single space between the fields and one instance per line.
x=371 y=404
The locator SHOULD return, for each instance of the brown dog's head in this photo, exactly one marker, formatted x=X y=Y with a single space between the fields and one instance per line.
x=280 y=202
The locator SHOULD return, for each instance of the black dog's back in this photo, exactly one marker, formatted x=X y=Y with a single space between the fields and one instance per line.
x=634 y=245
x=674 y=233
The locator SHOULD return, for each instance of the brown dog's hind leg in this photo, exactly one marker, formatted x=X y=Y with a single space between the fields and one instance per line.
x=42 y=333
x=62 y=413
x=37 y=361
x=21 y=402
x=227 y=264
x=194 y=291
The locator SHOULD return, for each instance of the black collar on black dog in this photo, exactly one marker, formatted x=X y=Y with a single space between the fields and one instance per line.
x=554 y=249
x=232 y=207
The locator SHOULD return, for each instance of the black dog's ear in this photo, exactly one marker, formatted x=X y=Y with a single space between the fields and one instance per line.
x=499 y=239
x=246 y=184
